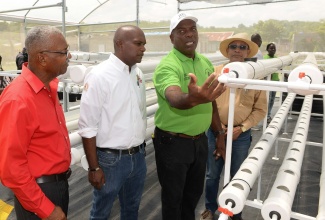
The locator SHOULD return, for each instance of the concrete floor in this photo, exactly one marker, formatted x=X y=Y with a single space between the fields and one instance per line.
x=305 y=202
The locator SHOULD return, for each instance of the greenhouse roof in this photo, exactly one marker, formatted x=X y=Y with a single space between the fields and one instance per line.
x=105 y=11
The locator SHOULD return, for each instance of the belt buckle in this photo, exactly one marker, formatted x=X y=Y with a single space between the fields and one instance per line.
x=131 y=150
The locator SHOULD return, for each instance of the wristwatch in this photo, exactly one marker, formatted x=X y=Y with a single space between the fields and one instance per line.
x=216 y=133
x=243 y=129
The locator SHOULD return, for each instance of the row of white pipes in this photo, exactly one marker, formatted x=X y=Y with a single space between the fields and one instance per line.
x=241 y=184
x=243 y=75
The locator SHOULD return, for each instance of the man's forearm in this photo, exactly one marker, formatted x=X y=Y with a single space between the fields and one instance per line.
x=216 y=122
x=89 y=145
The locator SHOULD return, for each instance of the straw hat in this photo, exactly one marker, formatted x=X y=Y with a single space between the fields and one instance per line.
x=242 y=37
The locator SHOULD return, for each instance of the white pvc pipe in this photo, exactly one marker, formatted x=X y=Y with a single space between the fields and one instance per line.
x=231 y=114
x=9 y=73
x=239 y=74
x=259 y=69
x=280 y=199
x=148 y=66
x=312 y=74
x=238 y=189
x=72 y=125
x=95 y=56
x=74 y=88
x=152 y=109
x=289 y=86
x=77 y=73
x=76 y=154
x=75 y=139
x=151 y=100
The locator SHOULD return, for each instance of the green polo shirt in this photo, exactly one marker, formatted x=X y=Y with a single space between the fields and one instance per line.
x=274 y=76
x=173 y=70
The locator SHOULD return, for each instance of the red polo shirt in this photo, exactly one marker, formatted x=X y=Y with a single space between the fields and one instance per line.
x=34 y=139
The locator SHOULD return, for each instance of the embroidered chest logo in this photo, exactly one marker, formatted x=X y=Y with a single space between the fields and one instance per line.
x=139 y=80
x=208 y=72
x=186 y=77
x=86 y=87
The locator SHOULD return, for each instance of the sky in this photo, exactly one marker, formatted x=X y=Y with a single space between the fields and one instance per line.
x=303 y=10
x=157 y=10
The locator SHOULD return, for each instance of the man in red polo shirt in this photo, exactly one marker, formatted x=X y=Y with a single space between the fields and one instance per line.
x=35 y=147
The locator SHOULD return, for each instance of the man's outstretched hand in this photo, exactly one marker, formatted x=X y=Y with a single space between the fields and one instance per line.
x=208 y=92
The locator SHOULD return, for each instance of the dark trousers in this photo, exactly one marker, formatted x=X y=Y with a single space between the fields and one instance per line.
x=57 y=192
x=181 y=164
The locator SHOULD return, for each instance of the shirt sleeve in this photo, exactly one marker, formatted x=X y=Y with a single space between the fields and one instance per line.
x=165 y=75
x=16 y=130
x=92 y=100
x=258 y=110
x=144 y=103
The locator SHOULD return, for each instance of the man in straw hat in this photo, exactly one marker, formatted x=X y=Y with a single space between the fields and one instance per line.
x=250 y=108
x=186 y=87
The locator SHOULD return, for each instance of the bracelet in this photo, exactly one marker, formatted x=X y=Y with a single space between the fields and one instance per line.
x=216 y=133
x=93 y=169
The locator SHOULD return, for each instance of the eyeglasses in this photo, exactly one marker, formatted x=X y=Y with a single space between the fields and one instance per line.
x=235 y=46
x=66 y=53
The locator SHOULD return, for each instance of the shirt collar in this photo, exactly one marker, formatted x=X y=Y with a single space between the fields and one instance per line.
x=35 y=83
x=182 y=57
x=120 y=64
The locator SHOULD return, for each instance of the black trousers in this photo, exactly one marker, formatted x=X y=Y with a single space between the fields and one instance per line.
x=57 y=192
x=181 y=165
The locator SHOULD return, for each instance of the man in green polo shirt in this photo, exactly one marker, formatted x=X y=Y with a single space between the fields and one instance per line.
x=186 y=87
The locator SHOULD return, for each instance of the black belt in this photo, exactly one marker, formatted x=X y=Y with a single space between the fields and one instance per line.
x=194 y=137
x=54 y=177
x=130 y=151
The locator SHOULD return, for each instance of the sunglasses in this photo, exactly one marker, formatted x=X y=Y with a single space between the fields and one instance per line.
x=235 y=46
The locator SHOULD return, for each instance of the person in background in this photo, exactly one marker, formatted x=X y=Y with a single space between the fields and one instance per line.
x=112 y=125
x=21 y=58
x=35 y=147
x=4 y=80
x=257 y=39
x=1 y=69
x=250 y=108
x=271 y=50
x=186 y=87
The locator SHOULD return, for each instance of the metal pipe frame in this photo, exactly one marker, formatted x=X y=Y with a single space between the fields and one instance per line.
x=31 y=8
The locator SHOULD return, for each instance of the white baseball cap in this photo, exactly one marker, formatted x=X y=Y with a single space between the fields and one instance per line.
x=180 y=17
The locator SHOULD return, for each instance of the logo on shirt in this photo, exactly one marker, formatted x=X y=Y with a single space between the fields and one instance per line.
x=86 y=87
x=139 y=80
x=208 y=72
x=186 y=77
